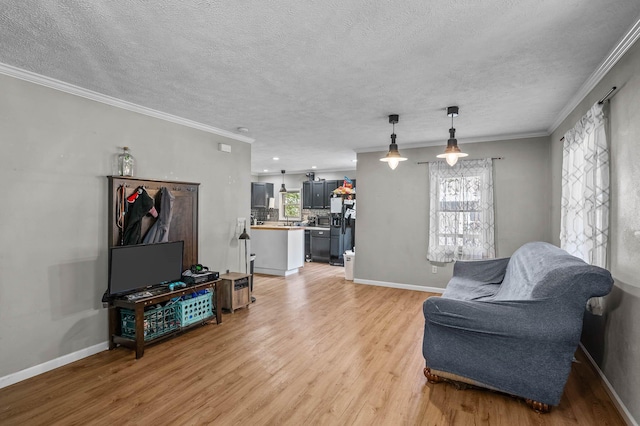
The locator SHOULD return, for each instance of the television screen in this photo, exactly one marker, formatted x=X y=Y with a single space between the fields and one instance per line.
x=135 y=267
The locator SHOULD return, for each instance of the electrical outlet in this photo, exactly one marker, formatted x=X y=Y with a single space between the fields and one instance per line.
x=434 y=269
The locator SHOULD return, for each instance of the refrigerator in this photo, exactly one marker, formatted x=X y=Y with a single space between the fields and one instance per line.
x=342 y=232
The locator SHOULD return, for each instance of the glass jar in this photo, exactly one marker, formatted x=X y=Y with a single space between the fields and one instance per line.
x=126 y=163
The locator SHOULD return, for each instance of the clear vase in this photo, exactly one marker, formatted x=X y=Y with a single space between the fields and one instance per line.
x=126 y=163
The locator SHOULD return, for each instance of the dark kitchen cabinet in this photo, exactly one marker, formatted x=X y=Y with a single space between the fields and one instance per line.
x=313 y=194
x=307 y=199
x=260 y=194
x=318 y=194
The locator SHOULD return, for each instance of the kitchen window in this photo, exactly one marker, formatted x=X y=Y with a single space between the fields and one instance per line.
x=290 y=205
x=461 y=218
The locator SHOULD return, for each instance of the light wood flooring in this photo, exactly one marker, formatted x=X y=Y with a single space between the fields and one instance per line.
x=313 y=350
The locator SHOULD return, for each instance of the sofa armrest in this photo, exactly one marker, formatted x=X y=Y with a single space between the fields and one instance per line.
x=537 y=320
x=485 y=271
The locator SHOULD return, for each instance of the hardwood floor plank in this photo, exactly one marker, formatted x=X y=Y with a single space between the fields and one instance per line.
x=313 y=350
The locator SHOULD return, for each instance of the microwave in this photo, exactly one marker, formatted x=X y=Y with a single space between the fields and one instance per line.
x=323 y=221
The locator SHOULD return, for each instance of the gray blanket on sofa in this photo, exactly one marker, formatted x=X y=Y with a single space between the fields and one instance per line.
x=513 y=324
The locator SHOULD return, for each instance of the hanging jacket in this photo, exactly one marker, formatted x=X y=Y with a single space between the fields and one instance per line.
x=159 y=231
x=137 y=210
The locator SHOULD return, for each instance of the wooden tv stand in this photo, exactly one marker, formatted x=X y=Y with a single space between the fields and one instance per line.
x=138 y=306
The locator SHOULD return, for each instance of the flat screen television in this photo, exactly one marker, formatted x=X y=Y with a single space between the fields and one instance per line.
x=136 y=267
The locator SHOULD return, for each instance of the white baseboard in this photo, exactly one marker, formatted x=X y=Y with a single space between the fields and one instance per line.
x=402 y=286
x=51 y=365
x=622 y=409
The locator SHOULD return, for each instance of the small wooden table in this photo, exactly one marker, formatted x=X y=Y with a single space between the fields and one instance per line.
x=234 y=291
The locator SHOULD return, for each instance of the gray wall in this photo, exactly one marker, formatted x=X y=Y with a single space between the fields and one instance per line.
x=57 y=150
x=393 y=208
x=614 y=339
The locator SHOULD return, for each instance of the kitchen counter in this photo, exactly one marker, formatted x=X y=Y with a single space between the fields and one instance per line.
x=287 y=228
x=279 y=249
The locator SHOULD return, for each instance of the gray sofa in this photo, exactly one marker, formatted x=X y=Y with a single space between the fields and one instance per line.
x=512 y=325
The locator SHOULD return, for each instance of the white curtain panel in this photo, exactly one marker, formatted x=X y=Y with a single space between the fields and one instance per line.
x=461 y=218
x=584 y=226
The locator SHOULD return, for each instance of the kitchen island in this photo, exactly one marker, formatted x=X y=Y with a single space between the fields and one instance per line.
x=279 y=249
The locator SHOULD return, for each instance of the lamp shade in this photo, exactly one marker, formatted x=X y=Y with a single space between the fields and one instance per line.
x=244 y=235
x=452 y=152
x=393 y=157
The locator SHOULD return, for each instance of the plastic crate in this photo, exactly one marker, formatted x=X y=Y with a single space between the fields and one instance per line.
x=195 y=308
x=157 y=321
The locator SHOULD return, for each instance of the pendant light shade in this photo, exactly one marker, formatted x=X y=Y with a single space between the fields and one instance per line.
x=393 y=157
x=452 y=152
x=282 y=188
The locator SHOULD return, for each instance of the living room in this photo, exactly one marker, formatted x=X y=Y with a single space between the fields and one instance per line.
x=59 y=147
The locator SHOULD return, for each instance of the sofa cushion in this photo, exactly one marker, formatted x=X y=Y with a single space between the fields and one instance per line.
x=476 y=280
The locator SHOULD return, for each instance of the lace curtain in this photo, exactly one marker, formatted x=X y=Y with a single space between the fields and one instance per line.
x=461 y=223
x=584 y=220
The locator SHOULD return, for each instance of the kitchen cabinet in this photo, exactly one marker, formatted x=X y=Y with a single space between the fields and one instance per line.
x=317 y=194
x=307 y=199
x=260 y=194
x=314 y=194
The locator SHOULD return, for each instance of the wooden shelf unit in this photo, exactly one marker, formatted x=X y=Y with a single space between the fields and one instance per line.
x=138 y=343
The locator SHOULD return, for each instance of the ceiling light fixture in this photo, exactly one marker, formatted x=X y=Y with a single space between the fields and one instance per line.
x=393 y=157
x=282 y=188
x=276 y=158
x=452 y=152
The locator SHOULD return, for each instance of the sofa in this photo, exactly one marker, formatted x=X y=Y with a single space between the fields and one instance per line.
x=512 y=325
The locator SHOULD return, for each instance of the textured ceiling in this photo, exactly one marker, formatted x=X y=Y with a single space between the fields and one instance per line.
x=314 y=82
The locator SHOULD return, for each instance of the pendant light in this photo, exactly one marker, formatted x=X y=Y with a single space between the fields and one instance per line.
x=282 y=188
x=393 y=157
x=452 y=152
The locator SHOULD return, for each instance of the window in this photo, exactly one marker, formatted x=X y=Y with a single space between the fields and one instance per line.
x=461 y=224
x=290 y=205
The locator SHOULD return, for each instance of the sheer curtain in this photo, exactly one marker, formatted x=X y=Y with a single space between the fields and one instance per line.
x=461 y=219
x=584 y=220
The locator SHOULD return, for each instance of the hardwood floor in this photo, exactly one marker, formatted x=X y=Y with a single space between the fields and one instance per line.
x=313 y=350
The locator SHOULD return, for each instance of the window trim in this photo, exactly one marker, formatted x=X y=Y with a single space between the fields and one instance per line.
x=281 y=195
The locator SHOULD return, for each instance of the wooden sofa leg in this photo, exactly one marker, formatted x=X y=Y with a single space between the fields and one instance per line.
x=538 y=406
x=432 y=378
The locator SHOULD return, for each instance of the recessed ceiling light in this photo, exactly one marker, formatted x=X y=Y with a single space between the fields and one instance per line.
x=313 y=167
x=265 y=170
x=242 y=129
x=276 y=158
x=354 y=161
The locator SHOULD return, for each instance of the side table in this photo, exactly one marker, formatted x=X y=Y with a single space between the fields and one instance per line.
x=234 y=291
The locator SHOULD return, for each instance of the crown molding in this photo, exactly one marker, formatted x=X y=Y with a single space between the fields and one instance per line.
x=52 y=83
x=614 y=56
